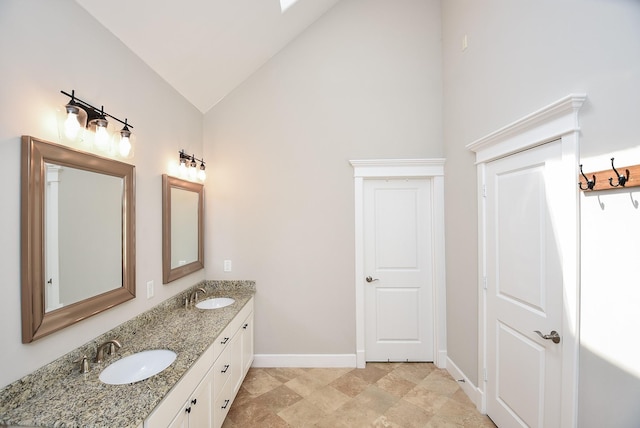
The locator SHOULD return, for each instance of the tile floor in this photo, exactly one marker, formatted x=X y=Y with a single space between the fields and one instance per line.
x=381 y=395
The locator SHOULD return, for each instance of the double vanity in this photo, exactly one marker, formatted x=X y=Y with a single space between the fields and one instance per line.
x=203 y=356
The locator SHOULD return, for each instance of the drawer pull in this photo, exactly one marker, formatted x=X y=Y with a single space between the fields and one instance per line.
x=194 y=401
x=226 y=367
x=188 y=410
x=245 y=326
x=226 y=403
x=224 y=341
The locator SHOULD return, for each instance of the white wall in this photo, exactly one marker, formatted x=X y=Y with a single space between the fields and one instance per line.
x=35 y=64
x=522 y=56
x=362 y=82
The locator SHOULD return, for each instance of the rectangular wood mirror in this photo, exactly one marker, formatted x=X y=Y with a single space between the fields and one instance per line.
x=78 y=236
x=182 y=228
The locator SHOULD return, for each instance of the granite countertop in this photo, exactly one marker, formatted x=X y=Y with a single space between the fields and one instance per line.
x=58 y=395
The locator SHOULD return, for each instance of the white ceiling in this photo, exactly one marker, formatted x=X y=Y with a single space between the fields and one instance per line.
x=205 y=48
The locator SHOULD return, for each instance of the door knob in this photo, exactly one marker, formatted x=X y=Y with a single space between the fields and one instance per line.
x=554 y=336
x=369 y=279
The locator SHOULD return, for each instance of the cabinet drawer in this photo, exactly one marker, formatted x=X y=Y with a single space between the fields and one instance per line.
x=230 y=330
x=222 y=404
x=222 y=371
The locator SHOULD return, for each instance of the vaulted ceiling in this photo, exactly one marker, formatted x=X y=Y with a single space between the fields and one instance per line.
x=205 y=48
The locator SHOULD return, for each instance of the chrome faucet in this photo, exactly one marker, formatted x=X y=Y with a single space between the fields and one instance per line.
x=192 y=299
x=110 y=346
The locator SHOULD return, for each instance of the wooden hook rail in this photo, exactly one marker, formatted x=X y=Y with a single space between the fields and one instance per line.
x=608 y=179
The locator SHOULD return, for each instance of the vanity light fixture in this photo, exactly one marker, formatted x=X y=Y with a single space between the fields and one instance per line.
x=188 y=167
x=78 y=116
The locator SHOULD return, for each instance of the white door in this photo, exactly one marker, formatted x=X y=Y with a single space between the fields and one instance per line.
x=524 y=288
x=398 y=264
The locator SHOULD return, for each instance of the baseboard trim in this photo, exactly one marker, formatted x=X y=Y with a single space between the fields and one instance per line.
x=467 y=386
x=304 y=360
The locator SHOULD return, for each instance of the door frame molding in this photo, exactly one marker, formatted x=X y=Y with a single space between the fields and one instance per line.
x=557 y=121
x=432 y=169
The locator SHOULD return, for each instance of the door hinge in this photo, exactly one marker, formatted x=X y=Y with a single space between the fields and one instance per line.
x=485 y=374
x=484 y=282
x=484 y=190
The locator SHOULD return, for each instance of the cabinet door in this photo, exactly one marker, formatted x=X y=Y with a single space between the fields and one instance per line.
x=200 y=403
x=181 y=420
x=247 y=344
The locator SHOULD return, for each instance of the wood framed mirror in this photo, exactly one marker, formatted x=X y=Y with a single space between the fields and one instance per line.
x=182 y=228
x=78 y=236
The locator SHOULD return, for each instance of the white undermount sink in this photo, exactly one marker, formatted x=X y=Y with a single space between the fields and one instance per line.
x=137 y=367
x=215 y=303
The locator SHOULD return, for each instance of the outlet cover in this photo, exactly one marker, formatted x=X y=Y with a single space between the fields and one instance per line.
x=149 y=289
x=227 y=265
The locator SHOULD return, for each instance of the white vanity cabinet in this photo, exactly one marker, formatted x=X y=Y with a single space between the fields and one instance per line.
x=203 y=396
x=197 y=410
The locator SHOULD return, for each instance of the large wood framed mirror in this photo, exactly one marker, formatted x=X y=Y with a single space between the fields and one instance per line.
x=182 y=228
x=78 y=236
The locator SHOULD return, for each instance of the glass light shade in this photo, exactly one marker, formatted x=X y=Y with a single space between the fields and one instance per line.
x=101 y=135
x=124 y=143
x=182 y=169
x=202 y=174
x=72 y=121
x=193 y=173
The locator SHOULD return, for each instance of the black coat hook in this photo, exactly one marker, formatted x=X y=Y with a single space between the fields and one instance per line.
x=622 y=179
x=590 y=183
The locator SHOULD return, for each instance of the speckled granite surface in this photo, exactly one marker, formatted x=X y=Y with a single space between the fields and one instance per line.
x=58 y=395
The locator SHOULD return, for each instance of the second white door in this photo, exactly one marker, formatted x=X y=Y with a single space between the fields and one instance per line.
x=525 y=208
x=398 y=262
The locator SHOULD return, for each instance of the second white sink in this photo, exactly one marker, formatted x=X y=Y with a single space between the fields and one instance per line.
x=137 y=367
x=215 y=303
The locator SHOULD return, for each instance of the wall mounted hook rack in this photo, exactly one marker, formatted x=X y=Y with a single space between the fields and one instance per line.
x=603 y=180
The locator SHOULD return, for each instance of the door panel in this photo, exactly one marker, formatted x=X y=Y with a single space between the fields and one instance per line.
x=398 y=257
x=524 y=289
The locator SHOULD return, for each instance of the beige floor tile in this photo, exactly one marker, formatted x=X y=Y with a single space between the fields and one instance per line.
x=350 y=384
x=350 y=415
x=440 y=382
x=327 y=375
x=395 y=384
x=426 y=399
x=285 y=374
x=278 y=399
x=383 y=395
x=304 y=413
x=370 y=374
x=328 y=399
x=408 y=415
x=376 y=399
x=305 y=385
x=258 y=382
x=414 y=372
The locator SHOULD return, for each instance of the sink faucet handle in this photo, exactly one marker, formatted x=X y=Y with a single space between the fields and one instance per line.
x=84 y=364
x=110 y=346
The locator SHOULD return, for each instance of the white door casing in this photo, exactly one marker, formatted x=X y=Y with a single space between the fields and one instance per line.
x=403 y=168
x=524 y=288
x=398 y=264
x=557 y=121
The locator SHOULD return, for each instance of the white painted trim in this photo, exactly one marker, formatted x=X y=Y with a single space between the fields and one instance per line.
x=388 y=168
x=558 y=120
x=304 y=360
x=547 y=124
x=402 y=168
x=472 y=391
